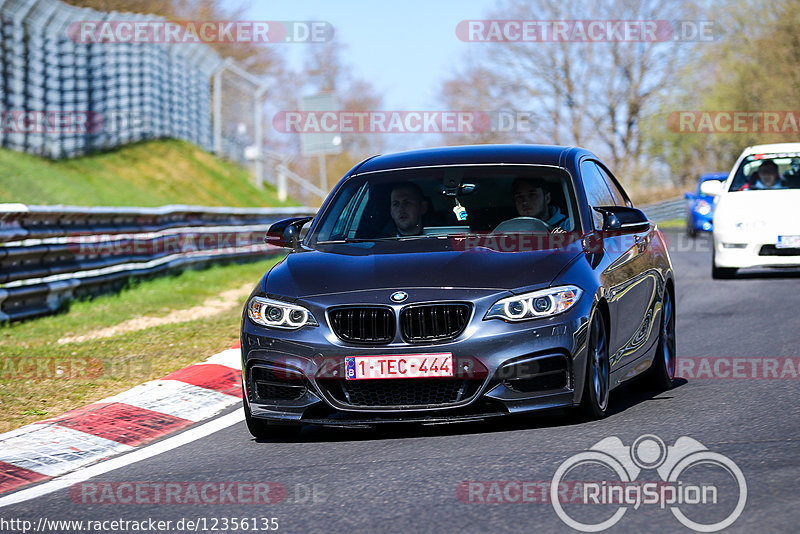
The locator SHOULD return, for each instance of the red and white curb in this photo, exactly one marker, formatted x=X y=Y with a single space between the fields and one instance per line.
x=120 y=423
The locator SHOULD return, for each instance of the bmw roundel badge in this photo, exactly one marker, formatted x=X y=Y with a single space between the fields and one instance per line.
x=399 y=296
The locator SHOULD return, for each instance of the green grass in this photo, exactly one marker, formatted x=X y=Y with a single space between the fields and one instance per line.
x=149 y=173
x=672 y=224
x=31 y=389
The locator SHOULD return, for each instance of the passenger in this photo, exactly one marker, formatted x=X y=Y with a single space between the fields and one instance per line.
x=407 y=206
x=791 y=178
x=533 y=200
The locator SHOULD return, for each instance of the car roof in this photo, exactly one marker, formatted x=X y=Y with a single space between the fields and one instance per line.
x=468 y=154
x=773 y=148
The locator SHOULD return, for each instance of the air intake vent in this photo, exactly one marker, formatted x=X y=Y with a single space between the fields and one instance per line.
x=276 y=384
x=397 y=393
x=363 y=324
x=772 y=250
x=433 y=322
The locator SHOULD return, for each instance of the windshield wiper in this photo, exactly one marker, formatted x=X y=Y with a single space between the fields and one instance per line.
x=355 y=240
x=377 y=239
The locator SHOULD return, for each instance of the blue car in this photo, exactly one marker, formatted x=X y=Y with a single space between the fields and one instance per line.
x=700 y=209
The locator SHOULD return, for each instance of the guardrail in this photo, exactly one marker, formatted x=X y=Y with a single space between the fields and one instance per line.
x=51 y=254
x=674 y=208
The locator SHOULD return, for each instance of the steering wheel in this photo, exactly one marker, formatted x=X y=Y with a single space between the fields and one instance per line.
x=522 y=225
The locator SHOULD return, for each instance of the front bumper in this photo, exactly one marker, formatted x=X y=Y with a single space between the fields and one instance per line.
x=701 y=223
x=758 y=249
x=502 y=368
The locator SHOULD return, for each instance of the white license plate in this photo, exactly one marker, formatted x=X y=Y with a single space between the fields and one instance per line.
x=788 y=241
x=399 y=366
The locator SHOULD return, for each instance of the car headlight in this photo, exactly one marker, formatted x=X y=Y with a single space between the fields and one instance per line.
x=536 y=304
x=703 y=207
x=277 y=314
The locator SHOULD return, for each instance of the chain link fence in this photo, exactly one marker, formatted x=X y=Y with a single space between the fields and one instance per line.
x=61 y=97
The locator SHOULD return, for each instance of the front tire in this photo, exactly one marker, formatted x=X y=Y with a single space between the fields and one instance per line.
x=661 y=374
x=691 y=231
x=594 y=402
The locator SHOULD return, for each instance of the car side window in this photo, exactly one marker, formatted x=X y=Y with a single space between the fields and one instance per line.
x=597 y=193
x=351 y=210
x=619 y=196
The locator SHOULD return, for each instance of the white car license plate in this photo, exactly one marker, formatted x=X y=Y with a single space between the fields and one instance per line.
x=399 y=366
x=788 y=241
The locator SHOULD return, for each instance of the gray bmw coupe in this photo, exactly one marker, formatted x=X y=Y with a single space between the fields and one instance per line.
x=459 y=284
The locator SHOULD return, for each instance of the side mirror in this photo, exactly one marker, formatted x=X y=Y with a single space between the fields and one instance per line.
x=623 y=219
x=712 y=188
x=286 y=233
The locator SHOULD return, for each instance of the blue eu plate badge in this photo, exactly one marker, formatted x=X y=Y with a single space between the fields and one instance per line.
x=350 y=367
x=788 y=241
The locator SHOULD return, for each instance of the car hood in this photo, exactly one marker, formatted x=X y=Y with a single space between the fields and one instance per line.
x=352 y=267
x=774 y=209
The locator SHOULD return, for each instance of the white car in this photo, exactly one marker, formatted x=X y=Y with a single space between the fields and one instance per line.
x=757 y=211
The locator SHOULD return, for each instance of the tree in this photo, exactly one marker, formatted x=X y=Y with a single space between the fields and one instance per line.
x=325 y=72
x=752 y=68
x=581 y=92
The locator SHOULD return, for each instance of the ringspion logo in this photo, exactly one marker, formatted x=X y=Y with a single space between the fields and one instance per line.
x=677 y=490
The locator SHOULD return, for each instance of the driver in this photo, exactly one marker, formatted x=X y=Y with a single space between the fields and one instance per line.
x=407 y=206
x=532 y=200
x=767 y=177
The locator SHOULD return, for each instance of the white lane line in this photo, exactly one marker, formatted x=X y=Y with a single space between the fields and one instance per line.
x=138 y=455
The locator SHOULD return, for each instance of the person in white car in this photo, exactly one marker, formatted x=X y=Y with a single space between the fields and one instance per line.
x=768 y=177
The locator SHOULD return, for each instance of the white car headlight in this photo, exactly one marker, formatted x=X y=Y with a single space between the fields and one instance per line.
x=277 y=314
x=536 y=304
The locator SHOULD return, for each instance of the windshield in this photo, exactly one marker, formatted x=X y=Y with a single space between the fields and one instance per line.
x=449 y=200
x=768 y=171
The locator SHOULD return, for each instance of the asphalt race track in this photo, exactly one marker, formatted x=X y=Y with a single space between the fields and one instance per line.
x=431 y=479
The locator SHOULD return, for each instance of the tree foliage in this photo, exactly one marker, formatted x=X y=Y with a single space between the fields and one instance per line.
x=752 y=66
x=578 y=92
